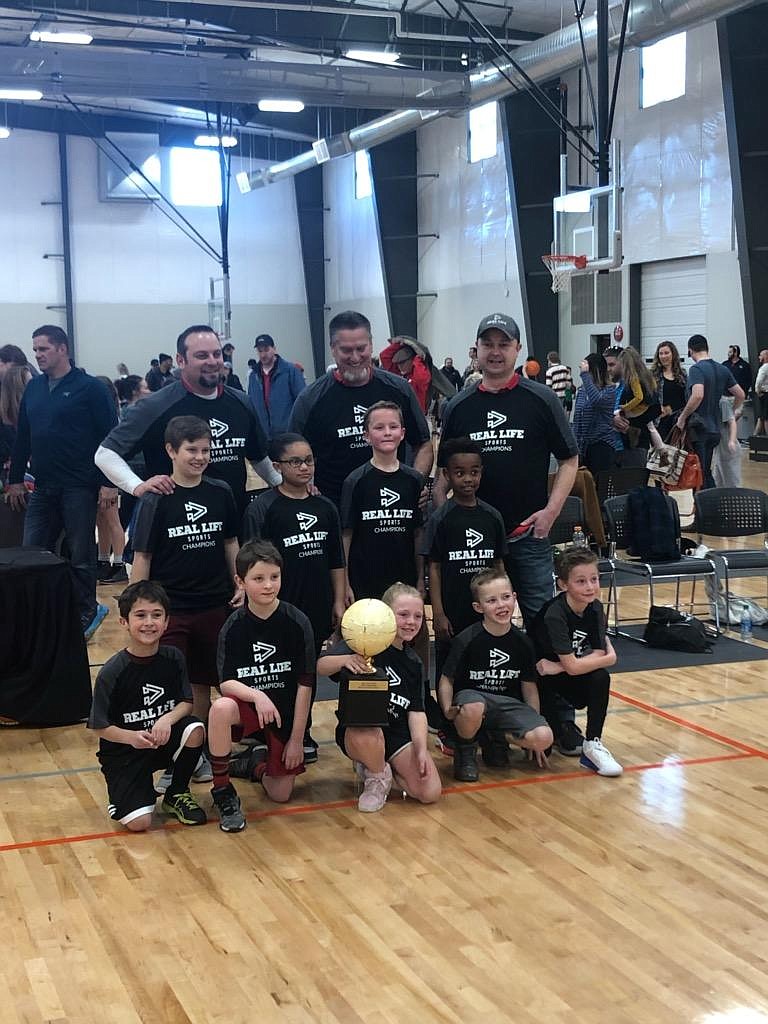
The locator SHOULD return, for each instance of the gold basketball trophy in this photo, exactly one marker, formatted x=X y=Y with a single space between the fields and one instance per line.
x=369 y=627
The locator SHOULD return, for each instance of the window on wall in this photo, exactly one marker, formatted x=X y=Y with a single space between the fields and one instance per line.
x=662 y=71
x=483 y=132
x=195 y=177
x=363 y=183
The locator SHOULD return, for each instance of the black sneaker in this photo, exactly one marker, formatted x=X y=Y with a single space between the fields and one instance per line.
x=227 y=803
x=569 y=739
x=103 y=572
x=118 y=574
x=495 y=749
x=244 y=765
x=465 y=762
x=310 y=749
x=184 y=807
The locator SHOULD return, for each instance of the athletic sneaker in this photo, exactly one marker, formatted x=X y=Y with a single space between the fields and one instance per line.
x=444 y=744
x=227 y=803
x=184 y=807
x=495 y=749
x=465 y=762
x=570 y=739
x=103 y=571
x=101 y=613
x=376 y=787
x=310 y=749
x=243 y=766
x=118 y=574
x=203 y=771
x=595 y=756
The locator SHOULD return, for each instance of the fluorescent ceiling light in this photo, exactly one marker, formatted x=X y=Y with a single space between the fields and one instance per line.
x=281 y=106
x=573 y=202
x=374 y=56
x=20 y=94
x=4 y=132
x=70 y=38
x=243 y=180
x=227 y=141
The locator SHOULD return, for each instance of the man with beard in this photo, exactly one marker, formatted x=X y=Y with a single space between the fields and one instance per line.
x=330 y=413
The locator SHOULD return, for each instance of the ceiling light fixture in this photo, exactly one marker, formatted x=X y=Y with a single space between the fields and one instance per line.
x=373 y=56
x=4 y=132
x=68 y=38
x=281 y=106
x=211 y=141
x=20 y=94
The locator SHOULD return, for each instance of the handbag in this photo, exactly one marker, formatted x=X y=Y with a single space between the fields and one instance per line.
x=668 y=629
x=666 y=463
x=691 y=476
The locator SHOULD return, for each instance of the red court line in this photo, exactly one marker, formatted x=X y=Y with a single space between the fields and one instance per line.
x=285 y=811
x=701 y=729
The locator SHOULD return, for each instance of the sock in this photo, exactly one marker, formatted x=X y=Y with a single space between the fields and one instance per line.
x=220 y=767
x=103 y=559
x=182 y=770
x=117 y=559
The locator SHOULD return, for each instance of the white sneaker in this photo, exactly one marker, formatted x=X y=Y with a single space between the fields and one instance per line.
x=375 y=790
x=595 y=756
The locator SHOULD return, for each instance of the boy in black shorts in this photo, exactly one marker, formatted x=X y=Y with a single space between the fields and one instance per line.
x=187 y=541
x=575 y=653
x=141 y=714
x=267 y=669
x=489 y=680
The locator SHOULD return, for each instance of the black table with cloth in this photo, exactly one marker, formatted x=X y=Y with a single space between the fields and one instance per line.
x=44 y=675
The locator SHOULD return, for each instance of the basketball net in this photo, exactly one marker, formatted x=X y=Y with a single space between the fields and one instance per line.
x=562 y=269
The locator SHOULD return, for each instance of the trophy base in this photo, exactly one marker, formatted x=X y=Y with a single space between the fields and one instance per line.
x=363 y=700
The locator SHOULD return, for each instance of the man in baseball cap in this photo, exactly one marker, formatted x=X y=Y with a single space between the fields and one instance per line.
x=273 y=387
x=501 y=322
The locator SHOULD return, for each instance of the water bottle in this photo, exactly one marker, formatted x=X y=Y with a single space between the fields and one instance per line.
x=746 y=623
x=578 y=539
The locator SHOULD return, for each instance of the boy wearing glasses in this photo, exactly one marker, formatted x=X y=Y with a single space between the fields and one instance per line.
x=305 y=529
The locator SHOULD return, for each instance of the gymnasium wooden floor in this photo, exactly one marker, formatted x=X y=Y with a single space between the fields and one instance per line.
x=532 y=896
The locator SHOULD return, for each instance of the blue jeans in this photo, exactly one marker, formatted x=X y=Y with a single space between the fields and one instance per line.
x=50 y=511
x=704 y=445
x=529 y=564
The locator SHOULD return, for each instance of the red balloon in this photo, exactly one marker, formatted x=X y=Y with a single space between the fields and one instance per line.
x=618 y=332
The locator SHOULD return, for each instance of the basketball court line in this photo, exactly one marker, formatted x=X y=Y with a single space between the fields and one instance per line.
x=692 y=726
x=468 y=788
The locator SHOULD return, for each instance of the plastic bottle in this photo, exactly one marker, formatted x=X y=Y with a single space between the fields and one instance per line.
x=578 y=539
x=746 y=624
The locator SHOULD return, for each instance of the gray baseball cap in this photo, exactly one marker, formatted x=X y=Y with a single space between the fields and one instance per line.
x=501 y=322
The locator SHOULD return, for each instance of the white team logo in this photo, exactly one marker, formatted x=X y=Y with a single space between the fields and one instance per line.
x=360 y=410
x=262 y=651
x=498 y=657
x=474 y=538
x=194 y=511
x=388 y=497
x=218 y=428
x=495 y=419
x=151 y=694
x=394 y=678
x=306 y=521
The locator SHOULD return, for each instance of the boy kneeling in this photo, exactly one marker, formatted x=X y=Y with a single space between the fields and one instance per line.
x=489 y=681
x=141 y=713
x=267 y=671
x=574 y=652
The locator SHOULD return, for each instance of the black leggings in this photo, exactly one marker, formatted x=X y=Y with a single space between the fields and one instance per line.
x=589 y=691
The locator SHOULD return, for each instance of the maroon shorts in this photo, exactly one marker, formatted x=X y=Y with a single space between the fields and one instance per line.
x=249 y=726
x=196 y=635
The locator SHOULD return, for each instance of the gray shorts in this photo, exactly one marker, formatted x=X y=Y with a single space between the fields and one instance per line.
x=507 y=714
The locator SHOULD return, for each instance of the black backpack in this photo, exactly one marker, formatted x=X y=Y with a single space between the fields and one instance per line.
x=669 y=629
x=651 y=526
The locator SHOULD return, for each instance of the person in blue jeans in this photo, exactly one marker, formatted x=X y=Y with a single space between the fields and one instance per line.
x=64 y=415
x=708 y=381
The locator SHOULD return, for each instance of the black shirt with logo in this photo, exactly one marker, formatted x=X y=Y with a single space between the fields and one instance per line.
x=406 y=685
x=132 y=693
x=330 y=415
x=275 y=655
x=557 y=629
x=490 y=664
x=464 y=541
x=519 y=428
x=307 y=533
x=236 y=434
x=382 y=511
x=184 y=532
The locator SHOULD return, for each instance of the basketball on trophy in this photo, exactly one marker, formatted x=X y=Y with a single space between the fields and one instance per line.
x=368 y=626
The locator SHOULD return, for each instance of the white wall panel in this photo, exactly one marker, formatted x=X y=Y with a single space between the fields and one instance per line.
x=473 y=264
x=673 y=303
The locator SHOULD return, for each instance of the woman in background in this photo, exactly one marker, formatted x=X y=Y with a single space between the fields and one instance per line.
x=671 y=380
x=593 y=426
x=12 y=385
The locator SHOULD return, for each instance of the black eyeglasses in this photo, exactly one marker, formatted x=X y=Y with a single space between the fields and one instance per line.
x=297 y=463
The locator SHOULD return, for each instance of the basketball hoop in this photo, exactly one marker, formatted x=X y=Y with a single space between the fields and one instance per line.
x=562 y=269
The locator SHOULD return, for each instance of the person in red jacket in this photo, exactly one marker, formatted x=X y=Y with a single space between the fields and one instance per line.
x=401 y=358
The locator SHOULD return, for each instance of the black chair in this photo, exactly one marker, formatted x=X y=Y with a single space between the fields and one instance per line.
x=734 y=512
x=613 y=482
x=635 y=572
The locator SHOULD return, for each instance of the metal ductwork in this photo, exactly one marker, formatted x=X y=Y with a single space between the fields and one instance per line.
x=543 y=59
